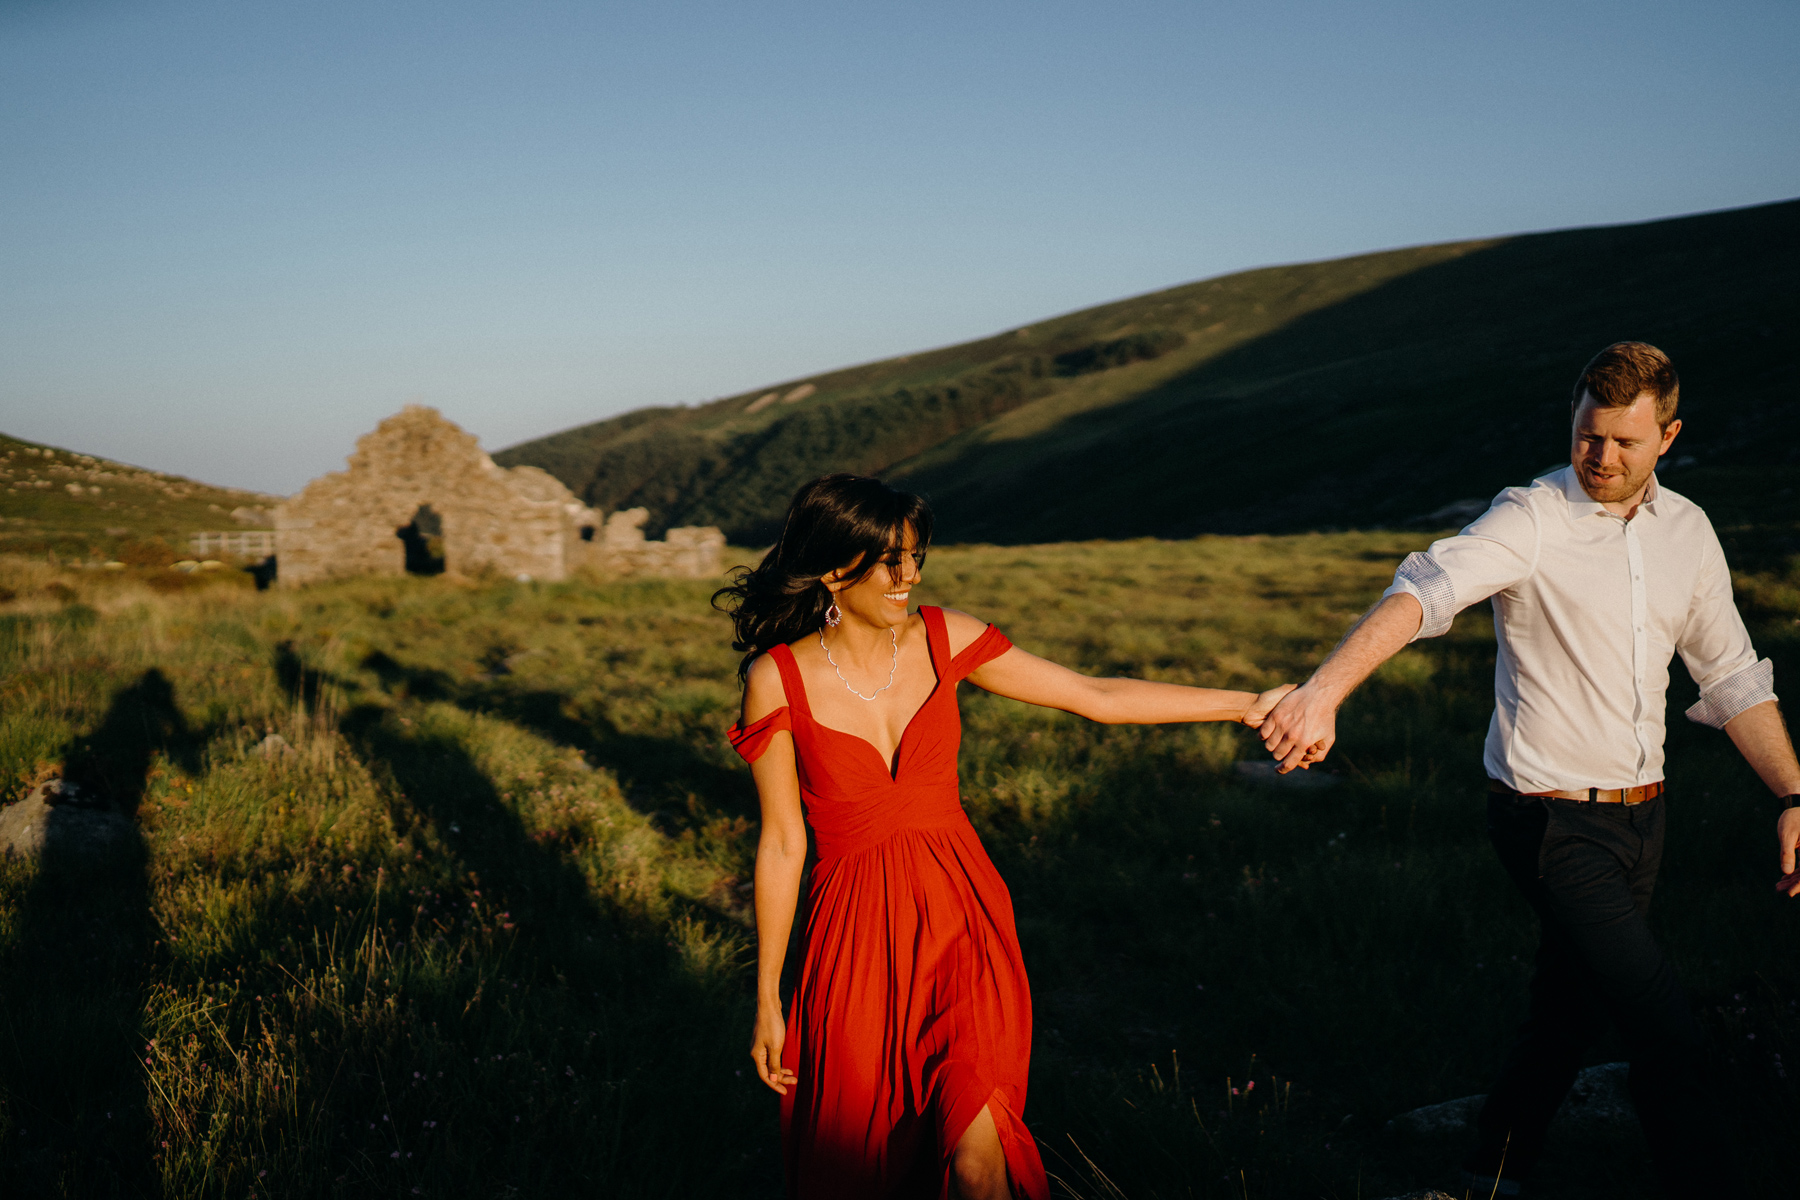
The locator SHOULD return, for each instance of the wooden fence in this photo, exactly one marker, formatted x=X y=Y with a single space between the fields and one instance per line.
x=247 y=543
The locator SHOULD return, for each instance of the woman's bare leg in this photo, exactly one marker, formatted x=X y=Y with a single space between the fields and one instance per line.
x=979 y=1164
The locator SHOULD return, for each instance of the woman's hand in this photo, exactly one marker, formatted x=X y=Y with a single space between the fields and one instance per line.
x=1253 y=717
x=765 y=1049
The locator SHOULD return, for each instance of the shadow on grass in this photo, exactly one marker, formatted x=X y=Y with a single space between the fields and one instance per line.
x=638 y=1104
x=547 y=896
x=575 y=1038
x=301 y=682
x=74 y=1121
x=661 y=777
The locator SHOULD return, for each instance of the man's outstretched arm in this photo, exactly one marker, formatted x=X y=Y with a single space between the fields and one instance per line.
x=1301 y=729
x=1762 y=738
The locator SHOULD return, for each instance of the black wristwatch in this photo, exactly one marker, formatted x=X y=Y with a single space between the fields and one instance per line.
x=1788 y=802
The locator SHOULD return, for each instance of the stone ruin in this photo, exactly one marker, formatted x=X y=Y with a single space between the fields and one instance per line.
x=691 y=552
x=421 y=498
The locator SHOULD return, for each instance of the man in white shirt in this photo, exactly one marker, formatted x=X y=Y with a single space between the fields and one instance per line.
x=1598 y=576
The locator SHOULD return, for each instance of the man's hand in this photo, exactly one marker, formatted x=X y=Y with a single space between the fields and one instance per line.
x=1761 y=736
x=1301 y=729
x=1787 y=836
x=1268 y=700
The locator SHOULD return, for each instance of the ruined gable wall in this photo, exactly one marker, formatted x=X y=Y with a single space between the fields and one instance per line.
x=509 y=522
x=541 y=488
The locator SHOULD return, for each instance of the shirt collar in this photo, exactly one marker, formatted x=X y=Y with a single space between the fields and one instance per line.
x=1583 y=505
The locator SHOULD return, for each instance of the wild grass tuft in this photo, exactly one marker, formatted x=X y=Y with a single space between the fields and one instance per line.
x=443 y=889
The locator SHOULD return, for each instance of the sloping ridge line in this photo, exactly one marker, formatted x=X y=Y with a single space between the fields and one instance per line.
x=1358 y=391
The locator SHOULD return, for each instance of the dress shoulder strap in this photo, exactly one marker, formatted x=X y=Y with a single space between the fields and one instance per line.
x=937 y=637
x=751 y=741
x=989 y=646
x=791 y=682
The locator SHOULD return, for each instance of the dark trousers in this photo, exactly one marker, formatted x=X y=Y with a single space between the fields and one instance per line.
x=1588 y=870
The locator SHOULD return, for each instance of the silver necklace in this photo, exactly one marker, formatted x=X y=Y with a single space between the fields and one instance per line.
x=840 y=674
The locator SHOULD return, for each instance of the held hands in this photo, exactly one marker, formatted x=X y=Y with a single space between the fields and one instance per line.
x=1787 y=836
x=1301 y=728
x=765 y=1049
x=1253 y=716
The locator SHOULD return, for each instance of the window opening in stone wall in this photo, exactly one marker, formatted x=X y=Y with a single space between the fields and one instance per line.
x=424 y=541
x=587 y=533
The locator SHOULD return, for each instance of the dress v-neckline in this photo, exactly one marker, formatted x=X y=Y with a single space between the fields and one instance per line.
x=890 y=769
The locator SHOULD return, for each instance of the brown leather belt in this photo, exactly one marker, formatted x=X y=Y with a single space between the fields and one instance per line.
x=1631 y=795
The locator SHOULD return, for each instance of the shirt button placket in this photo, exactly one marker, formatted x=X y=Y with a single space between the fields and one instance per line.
x=1640 y=646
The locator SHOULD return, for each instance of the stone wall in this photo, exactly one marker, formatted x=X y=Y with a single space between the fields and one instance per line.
x=519 y=523
x=620 y=549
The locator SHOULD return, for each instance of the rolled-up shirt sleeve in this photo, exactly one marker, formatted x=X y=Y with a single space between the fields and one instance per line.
x=1716 y=648
x=1495 y=552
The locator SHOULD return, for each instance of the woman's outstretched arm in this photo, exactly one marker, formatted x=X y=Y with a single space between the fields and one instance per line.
x=1019 y=675
x=780 y=860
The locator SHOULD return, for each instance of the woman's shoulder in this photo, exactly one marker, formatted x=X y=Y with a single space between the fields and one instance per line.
x=763 y=689
x=962 y=629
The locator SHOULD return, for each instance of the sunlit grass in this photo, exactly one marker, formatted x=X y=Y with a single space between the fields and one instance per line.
x=445 y=887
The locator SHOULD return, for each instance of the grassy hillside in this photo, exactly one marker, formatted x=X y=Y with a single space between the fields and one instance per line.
x=477 y=922
x=1356 y=392
x=75 y=506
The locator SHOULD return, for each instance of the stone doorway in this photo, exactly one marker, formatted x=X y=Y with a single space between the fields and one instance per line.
x=424 y=542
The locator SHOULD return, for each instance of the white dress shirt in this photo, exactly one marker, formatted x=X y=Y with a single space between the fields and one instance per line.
x=1588 y=609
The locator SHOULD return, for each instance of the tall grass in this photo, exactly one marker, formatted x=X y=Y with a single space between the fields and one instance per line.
x=474 y=920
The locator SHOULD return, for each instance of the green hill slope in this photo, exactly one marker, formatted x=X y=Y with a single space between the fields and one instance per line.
x=76 y=505
x=1359 y=391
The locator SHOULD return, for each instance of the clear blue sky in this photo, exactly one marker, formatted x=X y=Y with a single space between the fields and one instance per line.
x=233 y=236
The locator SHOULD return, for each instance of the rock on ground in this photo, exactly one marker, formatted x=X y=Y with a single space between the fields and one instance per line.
x=1599 y=1097
x=1452 y=1116
x=60 y=821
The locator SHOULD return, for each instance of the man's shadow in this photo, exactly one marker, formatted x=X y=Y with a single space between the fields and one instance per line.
x=610 y=963
x=658 y=775
x=73 y=1104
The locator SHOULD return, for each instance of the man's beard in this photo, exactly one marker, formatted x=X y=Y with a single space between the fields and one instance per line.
x=1619 y=487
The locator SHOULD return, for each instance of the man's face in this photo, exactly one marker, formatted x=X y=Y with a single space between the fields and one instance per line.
x=1615 y=449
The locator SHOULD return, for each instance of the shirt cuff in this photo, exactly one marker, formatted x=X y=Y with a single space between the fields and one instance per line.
x=1733 y=694
x=1421 y=577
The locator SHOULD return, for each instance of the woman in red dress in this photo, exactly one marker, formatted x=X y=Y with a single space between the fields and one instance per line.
x=903 y=1059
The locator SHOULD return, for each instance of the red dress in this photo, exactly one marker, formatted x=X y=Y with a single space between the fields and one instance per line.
x=912 y=1009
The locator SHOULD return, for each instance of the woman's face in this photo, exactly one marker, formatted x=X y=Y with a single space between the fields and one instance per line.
x=879 y=598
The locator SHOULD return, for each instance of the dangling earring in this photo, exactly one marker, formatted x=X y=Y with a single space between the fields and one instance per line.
x=832 y=615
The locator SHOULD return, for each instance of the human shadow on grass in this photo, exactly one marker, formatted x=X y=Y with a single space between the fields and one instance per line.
x=662 y=777
x=302 y=683
x=554 y=1034
x=74 y=1120
x=670 y=1031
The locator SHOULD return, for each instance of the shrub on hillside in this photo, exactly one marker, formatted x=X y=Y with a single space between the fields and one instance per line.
x=742 y=481
x=1118 y=352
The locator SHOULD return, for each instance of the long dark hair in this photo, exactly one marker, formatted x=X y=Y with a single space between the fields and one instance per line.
x=834 y=522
